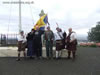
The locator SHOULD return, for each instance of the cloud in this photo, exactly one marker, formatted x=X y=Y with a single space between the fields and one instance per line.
x=81 y=15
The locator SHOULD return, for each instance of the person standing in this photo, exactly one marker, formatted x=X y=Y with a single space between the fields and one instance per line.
x=49 y=37
x=64 y=39
x=21 y=44
x=38 y=42
x=71 y=43
x=58 y=38
x=30 y=44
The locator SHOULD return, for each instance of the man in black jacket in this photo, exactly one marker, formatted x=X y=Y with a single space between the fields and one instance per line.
x=38 y=42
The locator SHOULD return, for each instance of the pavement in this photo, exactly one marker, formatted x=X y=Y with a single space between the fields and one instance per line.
x=12 y=52
x=87 y=62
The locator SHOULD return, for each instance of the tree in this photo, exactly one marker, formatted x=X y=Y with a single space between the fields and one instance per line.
x=94 y=33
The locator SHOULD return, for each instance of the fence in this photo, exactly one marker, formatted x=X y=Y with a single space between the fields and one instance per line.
x=8 y=39
x=11 y=40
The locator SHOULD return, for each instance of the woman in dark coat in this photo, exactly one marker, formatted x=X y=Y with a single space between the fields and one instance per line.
x=30 y=43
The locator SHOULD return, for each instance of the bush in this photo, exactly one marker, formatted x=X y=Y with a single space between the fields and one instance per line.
x=89 y=44
x=93 y=45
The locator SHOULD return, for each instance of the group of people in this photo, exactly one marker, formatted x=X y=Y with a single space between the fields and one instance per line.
x=33 y=43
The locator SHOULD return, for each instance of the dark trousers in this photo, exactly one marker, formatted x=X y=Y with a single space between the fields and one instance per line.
x=49 y=51
x=38 y=49
x=30 y=46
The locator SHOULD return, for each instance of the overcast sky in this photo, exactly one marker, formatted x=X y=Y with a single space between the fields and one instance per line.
x=81 y=15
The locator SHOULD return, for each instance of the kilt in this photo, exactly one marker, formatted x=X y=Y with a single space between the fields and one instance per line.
x=21 y=46
x=58 y=45
x=71 y=46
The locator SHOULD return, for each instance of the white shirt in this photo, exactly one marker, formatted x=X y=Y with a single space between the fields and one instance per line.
x=57 y=37
x=21 y=38
x=73 y=36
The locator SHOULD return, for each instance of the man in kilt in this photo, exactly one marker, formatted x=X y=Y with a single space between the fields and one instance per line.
x=21 y=44
x=71 y=43
x=58 y=38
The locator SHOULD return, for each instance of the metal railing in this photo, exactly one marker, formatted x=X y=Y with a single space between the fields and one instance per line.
x=8 y=39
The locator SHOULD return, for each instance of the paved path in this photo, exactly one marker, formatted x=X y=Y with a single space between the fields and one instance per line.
x=87 y=63
x=12 y=52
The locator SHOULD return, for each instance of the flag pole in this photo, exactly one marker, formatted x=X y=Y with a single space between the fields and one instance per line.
x=20 y=24
x=57 y=24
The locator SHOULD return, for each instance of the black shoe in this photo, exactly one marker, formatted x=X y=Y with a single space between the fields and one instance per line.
x=17 y=59
x=31 y=57
x=57 y=58
x=54 y=57
x=68 y=57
